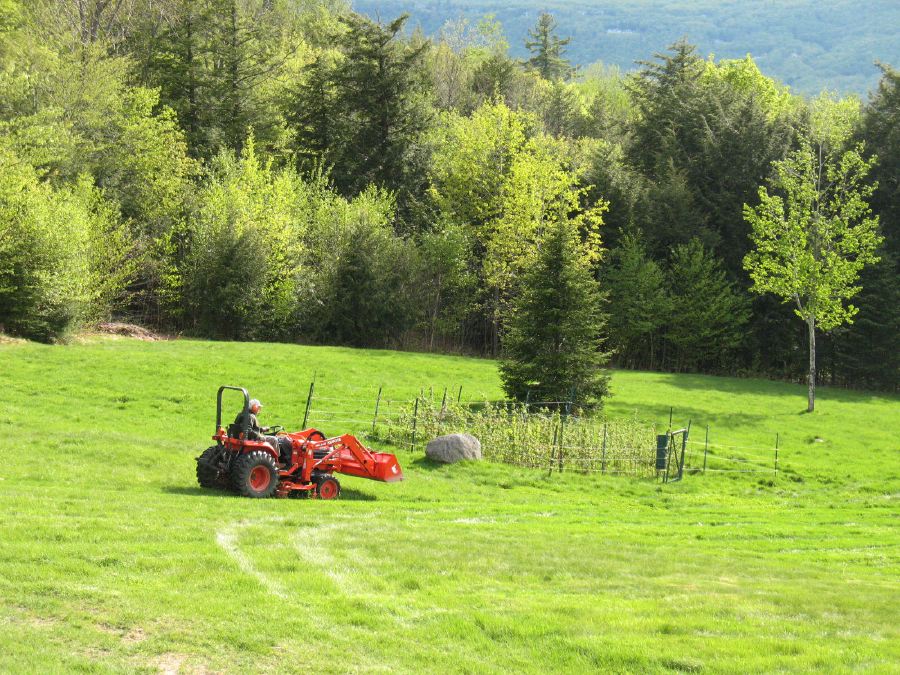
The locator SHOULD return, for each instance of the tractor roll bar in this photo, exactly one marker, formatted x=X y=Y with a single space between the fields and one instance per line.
x=245 y=418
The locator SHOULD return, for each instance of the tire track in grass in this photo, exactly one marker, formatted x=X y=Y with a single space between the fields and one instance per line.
x=314 y=544
x=227 y=539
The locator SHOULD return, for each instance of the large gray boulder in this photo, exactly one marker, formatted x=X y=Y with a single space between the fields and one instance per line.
x=453 y=448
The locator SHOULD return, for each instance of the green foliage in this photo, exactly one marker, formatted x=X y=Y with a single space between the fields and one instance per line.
x=789 y=38
x=864 y=354
x=880 y=129
x=244 y=249
x=362 y=274
x=446 y=283
x=547 y=50
x=376 y=115
x=707 y=313
x=148 y=171
x=222 y=65
x=638 y=304
x=465 y=152
x=472 y=157
x=815 y=232
x=63 y=253
x=706 y=137
x=505 y=186
x=553 y=344
x=460 y=51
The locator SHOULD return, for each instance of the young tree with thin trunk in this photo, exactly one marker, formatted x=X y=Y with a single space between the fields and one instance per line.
x=813 y=235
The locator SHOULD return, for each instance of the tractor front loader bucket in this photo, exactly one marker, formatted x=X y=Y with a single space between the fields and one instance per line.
x=349 y=456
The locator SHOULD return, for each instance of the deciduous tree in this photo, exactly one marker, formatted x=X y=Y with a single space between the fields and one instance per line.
x=813 y=232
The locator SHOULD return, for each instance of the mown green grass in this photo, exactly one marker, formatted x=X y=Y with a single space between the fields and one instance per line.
x=112 y=560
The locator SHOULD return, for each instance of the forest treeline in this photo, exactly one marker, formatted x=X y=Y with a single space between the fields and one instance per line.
x=807 y=44
x=291 y=170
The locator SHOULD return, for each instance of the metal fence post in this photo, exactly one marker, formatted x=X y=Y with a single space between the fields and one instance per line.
x=684 y=442
x=603 y=452
x=459 y=395
x=377 y=403
x=415 y=421
x=669 y=443
x=308 y=403
x=562 y=429
x=776 y=455
x=552 y=452
x=705 y=448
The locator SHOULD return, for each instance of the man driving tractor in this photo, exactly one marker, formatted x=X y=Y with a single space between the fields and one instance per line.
x=258 y=433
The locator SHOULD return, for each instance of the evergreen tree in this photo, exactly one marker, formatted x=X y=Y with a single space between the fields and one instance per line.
x=866 y=354
x=706 y=136
x=880 y=129
x=216 y=62
x=707 y=313
x=377 y=117
x=561 y=111
x=553 y=346
x=547 y=50
x=639 y=305
x=495 y=76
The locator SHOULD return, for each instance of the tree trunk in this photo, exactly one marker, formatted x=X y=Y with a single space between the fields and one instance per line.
x=811 y=323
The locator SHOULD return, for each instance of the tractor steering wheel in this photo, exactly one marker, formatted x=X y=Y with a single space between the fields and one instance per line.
x=276 y=429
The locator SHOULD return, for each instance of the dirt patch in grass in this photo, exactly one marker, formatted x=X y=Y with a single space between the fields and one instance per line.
x=9 y=340
x=172 y=663
x=130 y=330
x=134 y=636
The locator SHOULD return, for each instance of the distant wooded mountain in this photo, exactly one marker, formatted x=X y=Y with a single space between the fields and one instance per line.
x=810 y=45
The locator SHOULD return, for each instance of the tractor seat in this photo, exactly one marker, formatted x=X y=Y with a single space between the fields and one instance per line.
x=234 y=431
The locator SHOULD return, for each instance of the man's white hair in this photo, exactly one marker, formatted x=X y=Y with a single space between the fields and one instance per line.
x=254 y=403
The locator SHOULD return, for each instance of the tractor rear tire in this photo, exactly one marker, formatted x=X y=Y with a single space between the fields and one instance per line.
x=207 y=474
x=255 y=474
x=328 y=488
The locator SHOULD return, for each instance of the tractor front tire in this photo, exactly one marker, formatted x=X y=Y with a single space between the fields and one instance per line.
x=207 y=474
x=328 y=488
x=255 y=475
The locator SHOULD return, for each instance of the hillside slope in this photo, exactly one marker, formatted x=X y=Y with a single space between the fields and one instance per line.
x=114 y=561
x=808 y=45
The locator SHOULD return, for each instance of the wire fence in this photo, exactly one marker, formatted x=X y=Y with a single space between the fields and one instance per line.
x=704 y=456
x=555 y=436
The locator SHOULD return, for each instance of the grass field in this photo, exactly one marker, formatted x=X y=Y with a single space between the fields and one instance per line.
x=112 y=560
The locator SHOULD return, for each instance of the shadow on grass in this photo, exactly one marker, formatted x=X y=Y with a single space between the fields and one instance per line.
x=348 y=494
x=427 y=464
x=195 y=491
x=698 y=416
x=760 y=386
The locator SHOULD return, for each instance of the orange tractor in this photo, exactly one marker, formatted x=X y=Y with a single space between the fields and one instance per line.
x=303 y=462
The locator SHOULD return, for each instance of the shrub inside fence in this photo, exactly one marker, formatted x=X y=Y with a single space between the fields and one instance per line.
x=524 y=436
